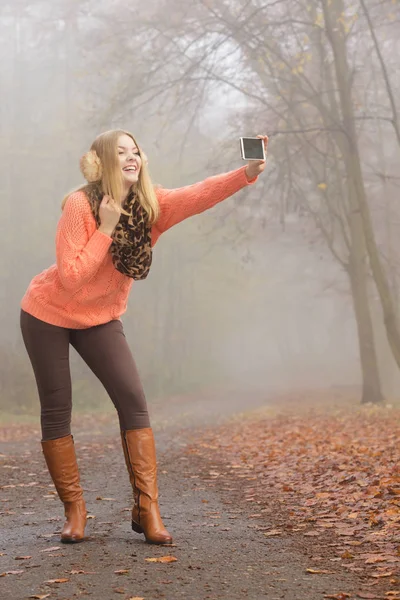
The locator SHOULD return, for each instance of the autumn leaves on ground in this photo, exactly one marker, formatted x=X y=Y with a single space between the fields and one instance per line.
x=319 y=471
x=330 y=477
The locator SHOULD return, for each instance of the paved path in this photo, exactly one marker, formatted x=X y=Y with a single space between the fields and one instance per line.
x=220 y=555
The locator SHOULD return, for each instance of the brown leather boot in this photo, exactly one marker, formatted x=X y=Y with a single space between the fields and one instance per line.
x=61 y=462
x=140 y=456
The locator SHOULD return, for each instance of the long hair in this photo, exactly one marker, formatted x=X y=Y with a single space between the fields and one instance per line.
x=105 y=146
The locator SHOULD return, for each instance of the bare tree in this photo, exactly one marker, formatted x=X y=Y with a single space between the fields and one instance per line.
x=291 y=66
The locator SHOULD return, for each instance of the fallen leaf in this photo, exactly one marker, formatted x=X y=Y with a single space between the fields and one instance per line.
x=319 y=572
x=352 y=543
x=287 y=488
x=272 y=533
x=162 y=559
x=348 y=532
x=22 y=557
x=12 y=573
x=375 y=559
x=340 y=596
x=60 y=580
x=40 y=596
x=52 y=549
x=121 y=572
x=81 y=572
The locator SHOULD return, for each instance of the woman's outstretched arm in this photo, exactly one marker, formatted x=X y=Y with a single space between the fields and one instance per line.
x=181 y=203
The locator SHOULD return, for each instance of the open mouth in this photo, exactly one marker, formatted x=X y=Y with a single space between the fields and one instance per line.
x=130 y=169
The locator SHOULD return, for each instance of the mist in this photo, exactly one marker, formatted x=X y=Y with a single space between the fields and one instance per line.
x=281 y=287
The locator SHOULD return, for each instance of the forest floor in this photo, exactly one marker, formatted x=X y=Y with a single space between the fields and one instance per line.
x=293 y=496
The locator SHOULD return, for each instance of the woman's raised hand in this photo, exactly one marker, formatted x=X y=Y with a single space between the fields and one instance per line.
x=255 y=167
x=109 y=213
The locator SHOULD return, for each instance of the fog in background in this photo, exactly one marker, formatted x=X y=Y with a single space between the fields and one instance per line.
x=293 y=282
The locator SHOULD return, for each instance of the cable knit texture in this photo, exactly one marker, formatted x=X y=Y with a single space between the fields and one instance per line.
x=83 y=288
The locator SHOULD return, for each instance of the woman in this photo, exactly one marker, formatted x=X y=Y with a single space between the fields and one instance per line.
x=104 y=242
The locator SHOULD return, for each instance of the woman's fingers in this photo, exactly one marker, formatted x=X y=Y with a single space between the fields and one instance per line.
x=265 y=140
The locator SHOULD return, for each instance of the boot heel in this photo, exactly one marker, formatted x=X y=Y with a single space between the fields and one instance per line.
x=71 y=540
x=137 y=527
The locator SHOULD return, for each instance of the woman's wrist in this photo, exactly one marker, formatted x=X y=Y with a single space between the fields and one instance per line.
x=106 y=230
x=251 y=173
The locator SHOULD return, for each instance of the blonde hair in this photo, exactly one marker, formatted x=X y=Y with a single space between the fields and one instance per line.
x=105 y=146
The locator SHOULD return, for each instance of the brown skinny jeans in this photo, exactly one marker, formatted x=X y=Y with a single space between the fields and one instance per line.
x=106 y=352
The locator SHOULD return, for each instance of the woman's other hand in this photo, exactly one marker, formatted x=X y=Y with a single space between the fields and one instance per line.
x=109 y=213
x=255 y=167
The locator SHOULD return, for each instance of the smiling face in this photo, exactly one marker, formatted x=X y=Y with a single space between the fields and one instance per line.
x=129 y=160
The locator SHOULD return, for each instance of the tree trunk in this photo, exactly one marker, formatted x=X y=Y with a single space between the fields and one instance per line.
x=332 y=14
x=353 y=239
x=371 y=384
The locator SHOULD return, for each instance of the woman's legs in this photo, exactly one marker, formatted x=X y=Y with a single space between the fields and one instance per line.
x=106 y=352
x=48 y=350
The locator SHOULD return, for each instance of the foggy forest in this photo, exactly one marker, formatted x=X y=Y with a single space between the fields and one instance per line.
x=293 y=284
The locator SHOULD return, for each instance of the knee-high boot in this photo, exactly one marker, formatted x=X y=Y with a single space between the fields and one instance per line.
x=61 y=462
x=140 y=457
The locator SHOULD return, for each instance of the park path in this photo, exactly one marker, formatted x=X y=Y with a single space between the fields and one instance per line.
x=220 y=552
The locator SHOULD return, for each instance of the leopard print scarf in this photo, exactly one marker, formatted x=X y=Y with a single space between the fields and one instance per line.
x=131 y=247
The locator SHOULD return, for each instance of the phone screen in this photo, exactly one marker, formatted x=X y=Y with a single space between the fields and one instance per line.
x=252 y=148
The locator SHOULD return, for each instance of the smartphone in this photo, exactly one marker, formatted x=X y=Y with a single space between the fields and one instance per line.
x=252 y=148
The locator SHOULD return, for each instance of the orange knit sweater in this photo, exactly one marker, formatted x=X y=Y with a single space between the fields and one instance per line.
x=83 y=288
